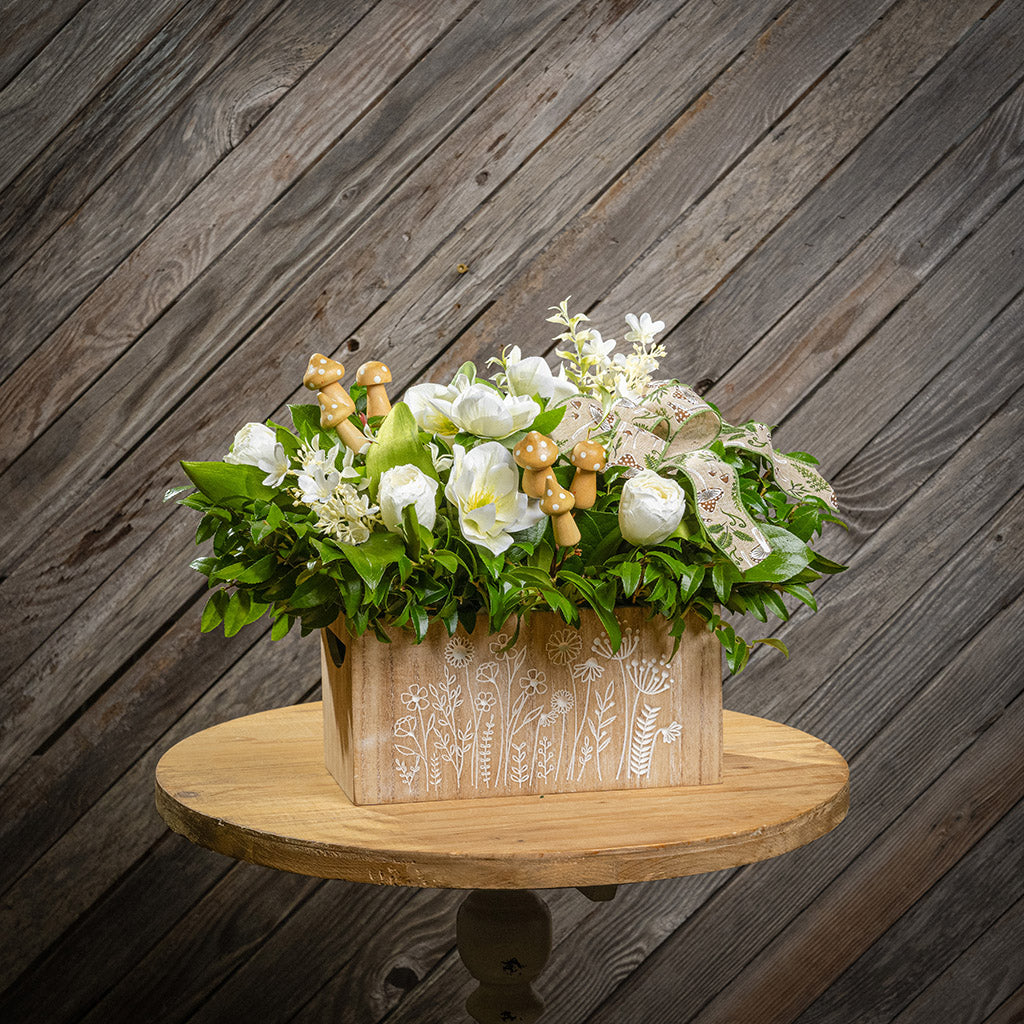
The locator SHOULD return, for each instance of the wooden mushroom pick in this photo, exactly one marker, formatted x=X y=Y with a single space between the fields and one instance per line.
x=558 y=503
x=323 y=376
x=536 y=453
x=588 y=457
x=373 y=376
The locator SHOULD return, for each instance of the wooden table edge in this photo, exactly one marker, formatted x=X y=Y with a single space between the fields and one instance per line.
x=535 y=870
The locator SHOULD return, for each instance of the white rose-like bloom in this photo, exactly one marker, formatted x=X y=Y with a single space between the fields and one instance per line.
x=651 y=508
x=484 y=486
x=402 y=486
x=256 y=445
x=431 y=406
x=482 y=411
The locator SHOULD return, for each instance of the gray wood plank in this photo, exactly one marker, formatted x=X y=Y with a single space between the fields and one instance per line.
x=28 y=27
x=924 y=943
x=87 y=53
x=192 y=96
x=297 y=133
x=695 y=151
x=1011 y=1011
x=767 y=292
x=980 y=982
x=788 y=164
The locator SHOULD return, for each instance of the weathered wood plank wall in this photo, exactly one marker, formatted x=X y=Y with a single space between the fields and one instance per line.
x=820 y=197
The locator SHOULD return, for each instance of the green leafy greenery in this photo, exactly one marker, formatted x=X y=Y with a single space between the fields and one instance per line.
x=269 y=558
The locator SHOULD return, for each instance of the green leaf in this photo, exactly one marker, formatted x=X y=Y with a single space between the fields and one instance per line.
x=282 y=624
x=801 y=593
x=236 y=612
x=213 y=613
x=771 y=641
x=547 y=420
x=220 y=480
x=316 y=590
x=629 y=573
x=205 y=565
x=174 y=491
x=592 y=597
x=775 y=604
x=258 y=572
x=789 y=556
x=398 y=444
x=822 y=564
x=371 y=559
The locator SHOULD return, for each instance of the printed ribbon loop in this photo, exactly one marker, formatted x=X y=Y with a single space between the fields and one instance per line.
x=673 y=422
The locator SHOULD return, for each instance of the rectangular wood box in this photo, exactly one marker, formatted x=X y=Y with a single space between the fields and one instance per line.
x=558 y=712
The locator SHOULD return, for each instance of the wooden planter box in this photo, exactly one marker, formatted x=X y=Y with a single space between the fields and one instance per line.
x=457 y=717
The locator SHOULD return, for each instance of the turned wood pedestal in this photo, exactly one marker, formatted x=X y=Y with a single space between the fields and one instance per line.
x=256 y=789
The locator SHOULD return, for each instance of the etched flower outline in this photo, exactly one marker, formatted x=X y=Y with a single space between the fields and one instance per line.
x=564 y=647
x=458 y=652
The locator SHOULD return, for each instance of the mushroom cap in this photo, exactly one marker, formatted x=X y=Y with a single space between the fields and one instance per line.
x=335 y=405
x=557 y=500
x=322 y=370
x=373 y=373
x=589 y=455
x=535 y=451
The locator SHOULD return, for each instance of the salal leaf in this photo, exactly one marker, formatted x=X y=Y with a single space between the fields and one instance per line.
x=220 y=480
x=788 y=557
x=371 y=559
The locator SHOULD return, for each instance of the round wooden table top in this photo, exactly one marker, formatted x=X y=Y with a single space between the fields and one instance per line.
x=256 y=789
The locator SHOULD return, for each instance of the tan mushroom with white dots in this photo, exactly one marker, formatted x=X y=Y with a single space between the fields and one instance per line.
x=374 y=376
x=589 y=457
x=558 y=503
x=536 y=453
x=323 y=376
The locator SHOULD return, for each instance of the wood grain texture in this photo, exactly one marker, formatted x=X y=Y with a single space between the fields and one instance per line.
x=257 y=789
x=823 y=201
x=460 y=717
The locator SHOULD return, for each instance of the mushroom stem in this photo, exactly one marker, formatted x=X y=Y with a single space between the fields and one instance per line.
x=584 y=488
x=535 y=481
x=567 y=533
x=377 y=402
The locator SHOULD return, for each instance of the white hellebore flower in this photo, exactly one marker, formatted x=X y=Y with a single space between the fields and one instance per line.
x=256 y=445
x=651 y=508
x=482 y=411
x=484 y=486
x=533 y=377
x=431 y=406
x=402 y=486
x=642 y=331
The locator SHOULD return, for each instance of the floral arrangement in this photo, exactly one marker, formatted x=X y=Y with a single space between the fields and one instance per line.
x=597 y=485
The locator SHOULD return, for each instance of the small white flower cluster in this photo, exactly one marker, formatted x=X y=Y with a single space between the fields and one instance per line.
x=346 y=515
x=592 y=368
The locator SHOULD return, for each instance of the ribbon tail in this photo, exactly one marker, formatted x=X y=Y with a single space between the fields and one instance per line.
x=720 y=509
x=796 y=478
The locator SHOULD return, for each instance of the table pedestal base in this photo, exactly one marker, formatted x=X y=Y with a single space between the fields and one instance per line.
x=504 y=939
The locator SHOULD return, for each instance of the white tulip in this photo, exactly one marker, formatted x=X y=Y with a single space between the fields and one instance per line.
x=484 y=486
x=651 y=508
x=482 y=411
x=256 y=445
x=402 y=486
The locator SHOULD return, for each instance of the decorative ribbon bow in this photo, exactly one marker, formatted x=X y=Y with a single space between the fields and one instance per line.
x=672 y=421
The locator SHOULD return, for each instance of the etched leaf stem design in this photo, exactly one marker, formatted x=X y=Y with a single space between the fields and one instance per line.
x=642 y=742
